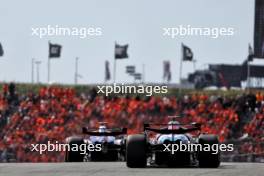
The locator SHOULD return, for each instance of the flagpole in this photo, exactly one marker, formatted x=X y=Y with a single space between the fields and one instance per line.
x=181 y=70
x=114 y=70
x=105 y=73
x=115 y=64
x=32 y=70
x=38 y=64
x=194 y=65
x=49 y=65
x=248 y=75
x=164 y=72
x=143 y=73
x=48 y=70
x=248 y=59
x=76 y=71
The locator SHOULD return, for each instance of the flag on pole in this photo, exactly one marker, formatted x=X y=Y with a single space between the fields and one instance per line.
x=1 y=50
x=54 y=50
x=107 y=71
x=250 y=53
x=187 y=54
x=121 y=51
x=166 y=70
x=137 y=76
x=130 y=69
x=250 y=56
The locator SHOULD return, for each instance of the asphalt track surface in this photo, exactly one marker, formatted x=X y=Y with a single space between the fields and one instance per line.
x=119 y=169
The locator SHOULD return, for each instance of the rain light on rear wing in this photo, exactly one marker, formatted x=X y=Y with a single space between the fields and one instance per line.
x=182 y=128
x=109 y=132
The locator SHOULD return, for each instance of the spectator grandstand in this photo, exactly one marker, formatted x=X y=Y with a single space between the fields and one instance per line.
x=54 y=113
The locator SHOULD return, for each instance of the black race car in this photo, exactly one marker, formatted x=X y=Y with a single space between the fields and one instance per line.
x=160 y=150
x=102 y=144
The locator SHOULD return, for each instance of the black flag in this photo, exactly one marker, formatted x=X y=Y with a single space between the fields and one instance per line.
x=107 y=71
x=137 y=76
x=130 y=69
x=121 y=51
x=1 y=50
x=54 y=50
x=187 y=54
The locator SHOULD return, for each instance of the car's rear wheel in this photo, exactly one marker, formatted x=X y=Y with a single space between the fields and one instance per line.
x=76 y=155
x=136 y=151
x=208 y=159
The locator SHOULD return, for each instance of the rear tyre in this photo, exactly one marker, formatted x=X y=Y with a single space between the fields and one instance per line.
x=206 y=158
x=136 y=151
x=74 y=156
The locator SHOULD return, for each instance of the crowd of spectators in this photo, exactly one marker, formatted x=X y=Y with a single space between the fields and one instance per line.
x=55 y=113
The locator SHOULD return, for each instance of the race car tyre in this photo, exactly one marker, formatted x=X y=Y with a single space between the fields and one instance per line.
x=208 y=159
x=136 y=154
x=74 y=156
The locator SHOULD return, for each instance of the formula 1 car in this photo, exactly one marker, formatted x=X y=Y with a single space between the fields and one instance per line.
x=109 y=144
x=161 y=149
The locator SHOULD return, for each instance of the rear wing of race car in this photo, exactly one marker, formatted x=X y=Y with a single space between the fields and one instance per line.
x=108 y=132
x=182 y=128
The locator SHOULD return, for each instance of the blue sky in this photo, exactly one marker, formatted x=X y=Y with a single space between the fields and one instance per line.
x=136 y=22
